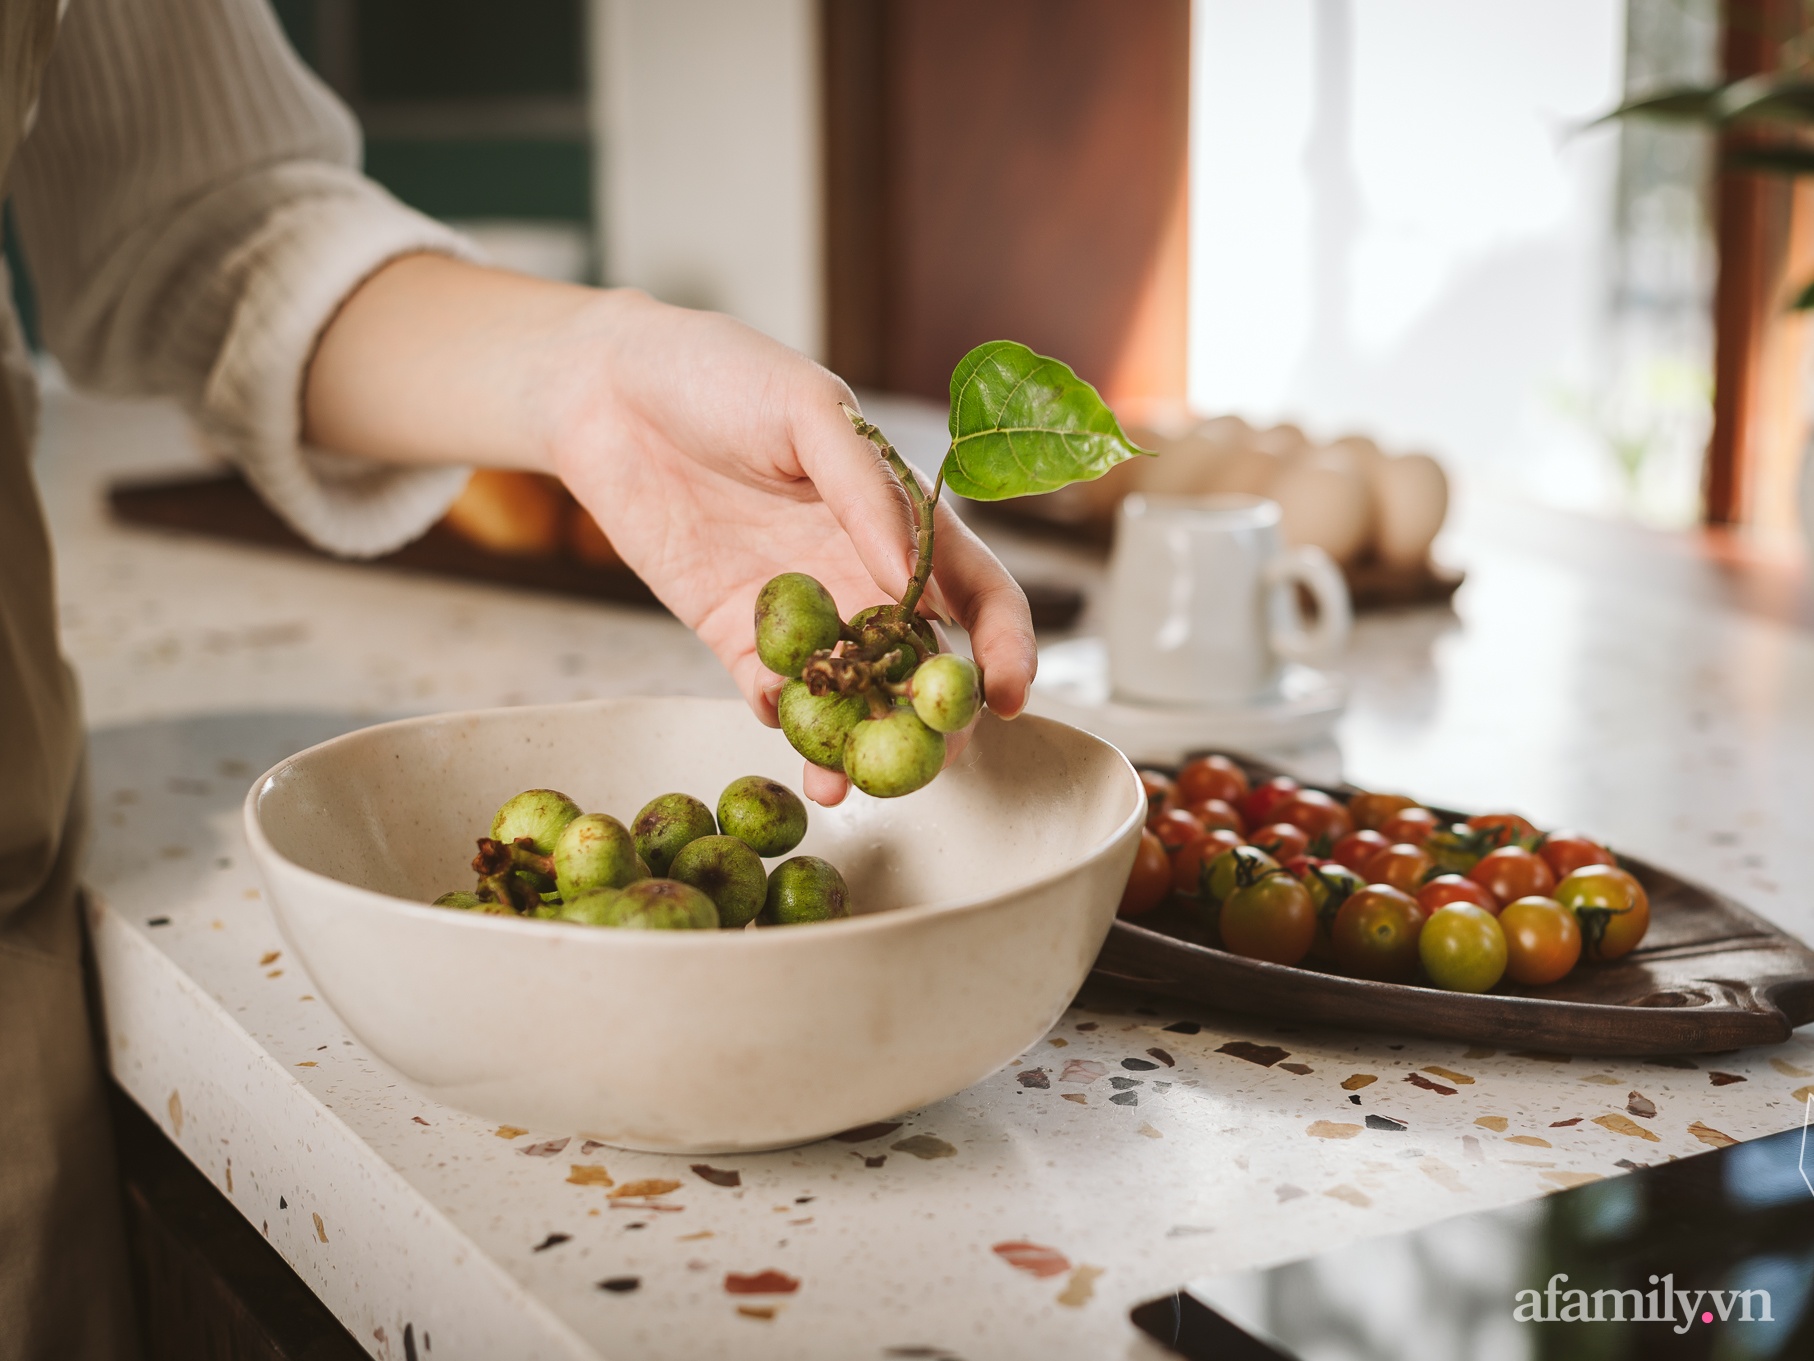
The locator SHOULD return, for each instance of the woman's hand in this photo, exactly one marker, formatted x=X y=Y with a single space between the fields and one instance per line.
x=712 y=456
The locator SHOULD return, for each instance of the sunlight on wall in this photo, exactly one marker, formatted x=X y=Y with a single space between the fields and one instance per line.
x=1398 y=229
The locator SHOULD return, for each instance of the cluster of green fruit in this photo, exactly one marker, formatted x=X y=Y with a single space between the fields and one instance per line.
x=675 y=868
x=873 y=698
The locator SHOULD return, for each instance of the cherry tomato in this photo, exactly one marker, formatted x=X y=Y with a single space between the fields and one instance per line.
x=1330 y=886
x=1371 y=811
x=1273 y=919
x=1542 y=940
x=1611 y=906
x=1233 y=869
x=1403 y=866
x=1217 y=813
x=1174 y=827
x=1355 y=849
x=1150 y=879
x=1160 y=793
x=1212 y=777
x=1299 y=866
x=1455 y=888
x=1321 y=817
x=1504 y=829
x=1410 y=824
x=1513 y=872
x=1462 y=948
x=1281 y=840
x=1259 y=805
x=1187 y=860
x=1375 y=932
x=1566 y=852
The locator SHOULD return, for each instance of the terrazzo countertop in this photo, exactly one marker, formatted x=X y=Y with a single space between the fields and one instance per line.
x=1138 y=1145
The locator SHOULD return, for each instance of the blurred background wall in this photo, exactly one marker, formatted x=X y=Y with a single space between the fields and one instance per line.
x=1394 y=217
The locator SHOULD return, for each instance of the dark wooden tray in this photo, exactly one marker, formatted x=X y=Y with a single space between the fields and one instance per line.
x=1709 y=975
x=222 y=506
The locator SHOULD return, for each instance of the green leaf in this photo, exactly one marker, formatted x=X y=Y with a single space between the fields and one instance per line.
x=1785 y=96
x=1696 y=103
x=1783 y=160
x=1022 y=423
x=1804 y=301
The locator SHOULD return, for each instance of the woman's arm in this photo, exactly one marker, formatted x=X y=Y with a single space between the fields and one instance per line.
x=713 y=456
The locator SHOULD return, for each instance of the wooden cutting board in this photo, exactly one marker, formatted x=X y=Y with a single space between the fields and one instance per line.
x=1709 y=975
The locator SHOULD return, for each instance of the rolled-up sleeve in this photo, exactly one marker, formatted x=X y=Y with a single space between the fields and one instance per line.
x=190 y=204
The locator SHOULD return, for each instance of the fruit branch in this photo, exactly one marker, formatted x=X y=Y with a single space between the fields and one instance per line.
x=923 y=505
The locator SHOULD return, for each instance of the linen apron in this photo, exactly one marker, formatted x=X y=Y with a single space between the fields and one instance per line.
x=63 y=1291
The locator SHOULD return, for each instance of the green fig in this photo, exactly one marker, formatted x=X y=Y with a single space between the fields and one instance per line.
x=947 y=691
x=882 y=625
x=763 y=813
x=600 y=907
x=888 y=757
x=667 y=823
x=805 y=889
x=539 y=814
x=819 y=725
x=728 y=872
x=665 y=905
x=795 y=617
x=595 y=851
x=461 y=900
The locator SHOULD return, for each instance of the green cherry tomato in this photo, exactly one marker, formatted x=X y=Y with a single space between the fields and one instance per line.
x=1463 y=948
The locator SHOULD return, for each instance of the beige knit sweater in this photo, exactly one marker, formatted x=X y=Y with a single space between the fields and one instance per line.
x=190 y=205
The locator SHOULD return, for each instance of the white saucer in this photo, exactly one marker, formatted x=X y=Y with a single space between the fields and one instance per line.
x=1073 y=687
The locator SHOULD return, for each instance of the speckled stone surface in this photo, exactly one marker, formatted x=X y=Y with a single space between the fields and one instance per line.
x=1139 y=1145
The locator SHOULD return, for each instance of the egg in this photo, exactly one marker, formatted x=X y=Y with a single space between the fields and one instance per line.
x=1325 y=500
x=1411 y=497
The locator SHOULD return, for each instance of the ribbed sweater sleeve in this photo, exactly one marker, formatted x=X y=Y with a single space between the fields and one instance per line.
x=190 y=203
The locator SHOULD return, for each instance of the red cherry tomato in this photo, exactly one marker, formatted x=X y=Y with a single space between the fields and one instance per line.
x=1281 y=841
x=1504 y=829
x=1542 y=940
x=1372 y=811
x=1174 y=827
x=1611 y=906
x=1187 y=860
x=1513 y=872
x=1273 y=919
x=1212 y=777
x=1355 y=849
x=1409 y=824
x=1300 y=866
x=1260 y=805
x=1403 y=866
x=1159 y=793
x=1375 y=934
x=1217 y=813
x=1455 y=888
x=1566 y=852
x=1149 y=880
x=1319 y=815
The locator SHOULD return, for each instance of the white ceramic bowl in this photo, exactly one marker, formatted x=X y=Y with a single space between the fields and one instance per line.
x=980 y=902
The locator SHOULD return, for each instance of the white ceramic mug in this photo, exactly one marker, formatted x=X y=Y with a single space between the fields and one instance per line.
x=1203 y=601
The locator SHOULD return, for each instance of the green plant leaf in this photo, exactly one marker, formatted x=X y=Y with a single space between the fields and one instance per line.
x=1804 y=300
x=1022 y=423
x=1783 y=160
x=1690 y=103
x=1778 y=95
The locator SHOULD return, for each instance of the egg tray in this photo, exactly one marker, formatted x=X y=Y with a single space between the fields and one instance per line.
x=1708 y=976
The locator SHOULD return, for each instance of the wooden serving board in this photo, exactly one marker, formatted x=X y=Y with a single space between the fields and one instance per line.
x=1708 y=976
x=223 y=506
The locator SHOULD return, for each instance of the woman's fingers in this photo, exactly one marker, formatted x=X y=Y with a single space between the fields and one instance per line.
x=861 y=491
x=826 y=788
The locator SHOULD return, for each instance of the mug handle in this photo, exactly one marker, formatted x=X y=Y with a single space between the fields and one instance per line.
x=1321 y=642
